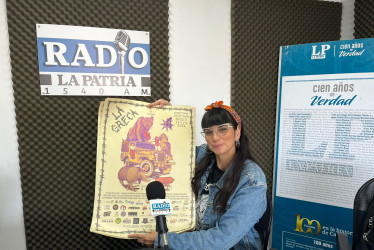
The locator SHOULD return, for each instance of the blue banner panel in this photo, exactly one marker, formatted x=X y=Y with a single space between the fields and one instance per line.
x=324 y=140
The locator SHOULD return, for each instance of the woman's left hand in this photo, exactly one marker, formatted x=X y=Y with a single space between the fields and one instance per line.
x=160 y=102
x=146 y=239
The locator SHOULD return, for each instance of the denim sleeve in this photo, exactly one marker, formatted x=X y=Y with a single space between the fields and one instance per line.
x=200 y=152
x=245 y=209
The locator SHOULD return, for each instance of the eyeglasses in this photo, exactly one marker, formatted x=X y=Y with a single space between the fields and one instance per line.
x=221 y=130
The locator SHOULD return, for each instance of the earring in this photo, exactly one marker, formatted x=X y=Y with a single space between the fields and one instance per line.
x=237 y=144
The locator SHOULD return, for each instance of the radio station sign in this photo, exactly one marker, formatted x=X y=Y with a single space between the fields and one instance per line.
x=76 y=60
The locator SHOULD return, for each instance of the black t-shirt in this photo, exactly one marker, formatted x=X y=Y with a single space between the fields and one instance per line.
x=214 y=176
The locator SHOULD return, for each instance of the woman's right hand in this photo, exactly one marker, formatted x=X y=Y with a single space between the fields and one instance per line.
x=160 y=102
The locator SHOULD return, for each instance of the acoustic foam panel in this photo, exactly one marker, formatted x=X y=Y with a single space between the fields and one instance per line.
x=364 y=19
x=259 y=28
x=57 y=135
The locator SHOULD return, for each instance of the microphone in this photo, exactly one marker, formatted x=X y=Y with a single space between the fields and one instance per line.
x=159 y=208
x=122 y=43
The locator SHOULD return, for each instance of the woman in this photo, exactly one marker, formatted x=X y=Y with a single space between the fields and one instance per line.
x=230 y=188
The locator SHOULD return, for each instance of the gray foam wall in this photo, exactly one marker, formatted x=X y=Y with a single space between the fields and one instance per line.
x=364 y=19
x=259 y=28
x=57 y=135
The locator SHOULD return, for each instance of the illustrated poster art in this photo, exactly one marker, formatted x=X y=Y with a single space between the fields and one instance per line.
x=137 y=145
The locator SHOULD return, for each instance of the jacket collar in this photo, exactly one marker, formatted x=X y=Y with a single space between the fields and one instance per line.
x=221 y=181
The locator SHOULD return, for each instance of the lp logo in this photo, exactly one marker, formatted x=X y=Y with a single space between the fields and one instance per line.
x=320 y=54
x=308 y=224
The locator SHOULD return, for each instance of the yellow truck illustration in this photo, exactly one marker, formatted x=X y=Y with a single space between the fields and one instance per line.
x=147 y=156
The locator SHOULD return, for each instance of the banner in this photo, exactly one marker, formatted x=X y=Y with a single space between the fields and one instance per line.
x=137 y=145
x=324 y=140
x=76 y=60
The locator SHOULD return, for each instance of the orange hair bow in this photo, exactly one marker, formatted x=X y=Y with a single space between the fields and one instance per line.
x=219 y=104
x=215 y=105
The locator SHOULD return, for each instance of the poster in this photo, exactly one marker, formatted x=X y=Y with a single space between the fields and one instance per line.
x=324 y=140
x=89 y=61
x=137 y=145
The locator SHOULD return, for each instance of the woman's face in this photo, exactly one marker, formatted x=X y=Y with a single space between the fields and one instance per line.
x=222 y=141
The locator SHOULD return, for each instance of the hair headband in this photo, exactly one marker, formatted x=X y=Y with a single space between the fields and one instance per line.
x=219 y=104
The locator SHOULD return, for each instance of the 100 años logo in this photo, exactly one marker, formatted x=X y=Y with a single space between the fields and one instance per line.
x=305 y=225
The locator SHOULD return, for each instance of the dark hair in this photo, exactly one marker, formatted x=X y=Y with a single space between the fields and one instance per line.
x=217 y=116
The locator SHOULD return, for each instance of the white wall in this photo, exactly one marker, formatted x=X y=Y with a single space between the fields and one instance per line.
x=347 y=27
x=200 y=45
x=12 y=234
x=200 y=54
x=347 y=20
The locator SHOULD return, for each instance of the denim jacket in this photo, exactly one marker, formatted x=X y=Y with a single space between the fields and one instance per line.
x=235 y=228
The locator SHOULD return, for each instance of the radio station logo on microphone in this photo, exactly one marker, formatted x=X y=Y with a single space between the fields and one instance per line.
x=76 y=60
x=160 y=207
